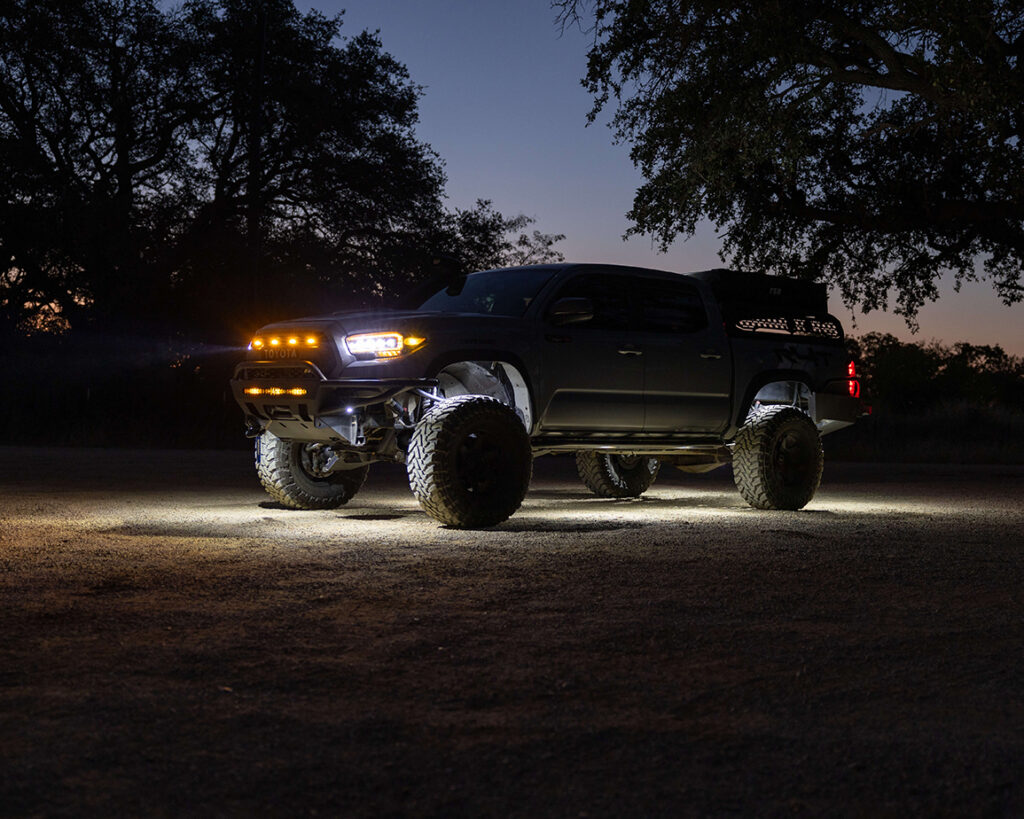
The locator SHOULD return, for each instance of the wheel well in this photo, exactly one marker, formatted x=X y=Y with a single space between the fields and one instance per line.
x=498 y=379
x=791 y=392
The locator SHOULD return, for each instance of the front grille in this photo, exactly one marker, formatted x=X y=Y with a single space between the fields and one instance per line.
x=278 y=373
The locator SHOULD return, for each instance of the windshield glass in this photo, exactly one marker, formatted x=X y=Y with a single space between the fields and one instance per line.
x=495 y=292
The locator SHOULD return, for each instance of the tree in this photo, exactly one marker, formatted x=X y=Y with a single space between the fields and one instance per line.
x=205 y=168
x=482 y=238
x=97 y=104
x=909 y=377
x=872 y=145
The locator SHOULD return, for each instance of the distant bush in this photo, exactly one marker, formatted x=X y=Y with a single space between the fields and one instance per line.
x=962 y=403
x=946 y=433
x=900 y=376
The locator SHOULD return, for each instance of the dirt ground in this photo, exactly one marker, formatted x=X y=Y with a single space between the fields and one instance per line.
x=174 y=644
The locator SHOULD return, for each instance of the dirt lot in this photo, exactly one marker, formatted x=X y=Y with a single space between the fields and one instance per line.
x=172 y=644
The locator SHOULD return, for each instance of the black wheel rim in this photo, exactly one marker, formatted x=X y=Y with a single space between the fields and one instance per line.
x=626 y=461
x=793 y=457
x=480 y=463
x=312 y=462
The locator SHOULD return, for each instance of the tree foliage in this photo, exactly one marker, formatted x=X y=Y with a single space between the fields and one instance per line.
x=876 y=146
x=96 y=105
x=909 y=377
x=212 y=166
x=486 y=239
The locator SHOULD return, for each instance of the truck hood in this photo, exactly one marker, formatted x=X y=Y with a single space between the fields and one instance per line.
x=368 y=321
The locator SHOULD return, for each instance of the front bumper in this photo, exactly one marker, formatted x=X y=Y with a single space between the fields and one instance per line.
x=295 y=401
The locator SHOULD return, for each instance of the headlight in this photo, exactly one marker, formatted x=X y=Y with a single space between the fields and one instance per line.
x=381 y=345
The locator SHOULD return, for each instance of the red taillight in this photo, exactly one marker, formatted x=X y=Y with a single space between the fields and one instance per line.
x=853 y=385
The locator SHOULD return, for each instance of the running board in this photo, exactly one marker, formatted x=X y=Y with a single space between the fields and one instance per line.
x=709 y=451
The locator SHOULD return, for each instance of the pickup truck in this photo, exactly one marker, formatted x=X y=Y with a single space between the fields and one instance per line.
x=627 y=368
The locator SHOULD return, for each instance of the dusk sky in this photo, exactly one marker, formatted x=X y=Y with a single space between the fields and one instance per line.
x=504 y=109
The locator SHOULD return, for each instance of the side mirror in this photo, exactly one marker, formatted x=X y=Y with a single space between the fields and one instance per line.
x=571 y=310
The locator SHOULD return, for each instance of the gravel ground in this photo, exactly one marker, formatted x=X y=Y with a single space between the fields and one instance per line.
x=175 y=644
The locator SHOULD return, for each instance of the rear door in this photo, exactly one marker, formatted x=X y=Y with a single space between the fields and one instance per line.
x=592 y=371
x=688 y=373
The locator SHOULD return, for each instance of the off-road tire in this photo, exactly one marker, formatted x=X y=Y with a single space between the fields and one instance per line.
x=288 y=480
x=616 y=476
x=777 y=459
x=470 y=462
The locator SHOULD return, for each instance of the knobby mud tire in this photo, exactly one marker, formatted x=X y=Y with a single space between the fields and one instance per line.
x=777 y=459
x=616 y=476
x=470 y=462
x=280 y=467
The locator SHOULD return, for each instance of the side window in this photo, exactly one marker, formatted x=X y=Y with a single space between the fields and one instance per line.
x=610 y=295
x=670 y=307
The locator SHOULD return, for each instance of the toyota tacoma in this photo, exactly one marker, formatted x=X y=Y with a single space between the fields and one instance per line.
x=476 y=375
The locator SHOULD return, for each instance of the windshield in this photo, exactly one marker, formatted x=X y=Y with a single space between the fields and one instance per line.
x=495 y=292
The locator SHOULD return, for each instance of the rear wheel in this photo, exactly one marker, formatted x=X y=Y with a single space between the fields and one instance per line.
x=294 y=474
x=470 y=462
x=616 y=476
x=777 y=460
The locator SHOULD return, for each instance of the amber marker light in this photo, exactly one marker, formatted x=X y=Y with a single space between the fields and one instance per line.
x=256 y=344
x=275 y=342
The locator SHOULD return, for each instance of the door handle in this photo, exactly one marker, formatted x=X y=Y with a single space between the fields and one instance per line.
x=630 y=350
x=711 y=354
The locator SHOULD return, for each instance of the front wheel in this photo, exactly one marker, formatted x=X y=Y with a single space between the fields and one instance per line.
x=777 y=460
x=616 y=476
x=470 y=462
x=293 y=474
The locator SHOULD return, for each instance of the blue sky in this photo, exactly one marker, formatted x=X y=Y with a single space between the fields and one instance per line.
x=504 y=108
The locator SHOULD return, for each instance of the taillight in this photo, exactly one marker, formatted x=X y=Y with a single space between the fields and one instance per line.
x=853 y=385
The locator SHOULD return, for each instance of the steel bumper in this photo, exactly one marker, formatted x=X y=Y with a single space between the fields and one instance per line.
x=295 y=399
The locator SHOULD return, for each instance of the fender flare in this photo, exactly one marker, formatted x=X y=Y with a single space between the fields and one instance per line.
x=762 y=380
x=490 y=355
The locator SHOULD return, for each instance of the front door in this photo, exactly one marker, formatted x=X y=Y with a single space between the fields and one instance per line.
x=593 y=371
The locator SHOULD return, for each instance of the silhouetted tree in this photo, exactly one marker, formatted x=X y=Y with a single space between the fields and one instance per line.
x=208 y=167
x=874 y=145
x=483 y=238
x=98 y=102
x=913 y=377
x=315 y=180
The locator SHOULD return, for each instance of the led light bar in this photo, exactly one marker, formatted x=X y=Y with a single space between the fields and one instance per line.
x=292 y=340
x=297 y=392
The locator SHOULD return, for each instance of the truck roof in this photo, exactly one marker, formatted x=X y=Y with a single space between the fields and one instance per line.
x=741 y=292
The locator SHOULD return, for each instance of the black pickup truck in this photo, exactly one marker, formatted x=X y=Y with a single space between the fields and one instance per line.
x=628 y=368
